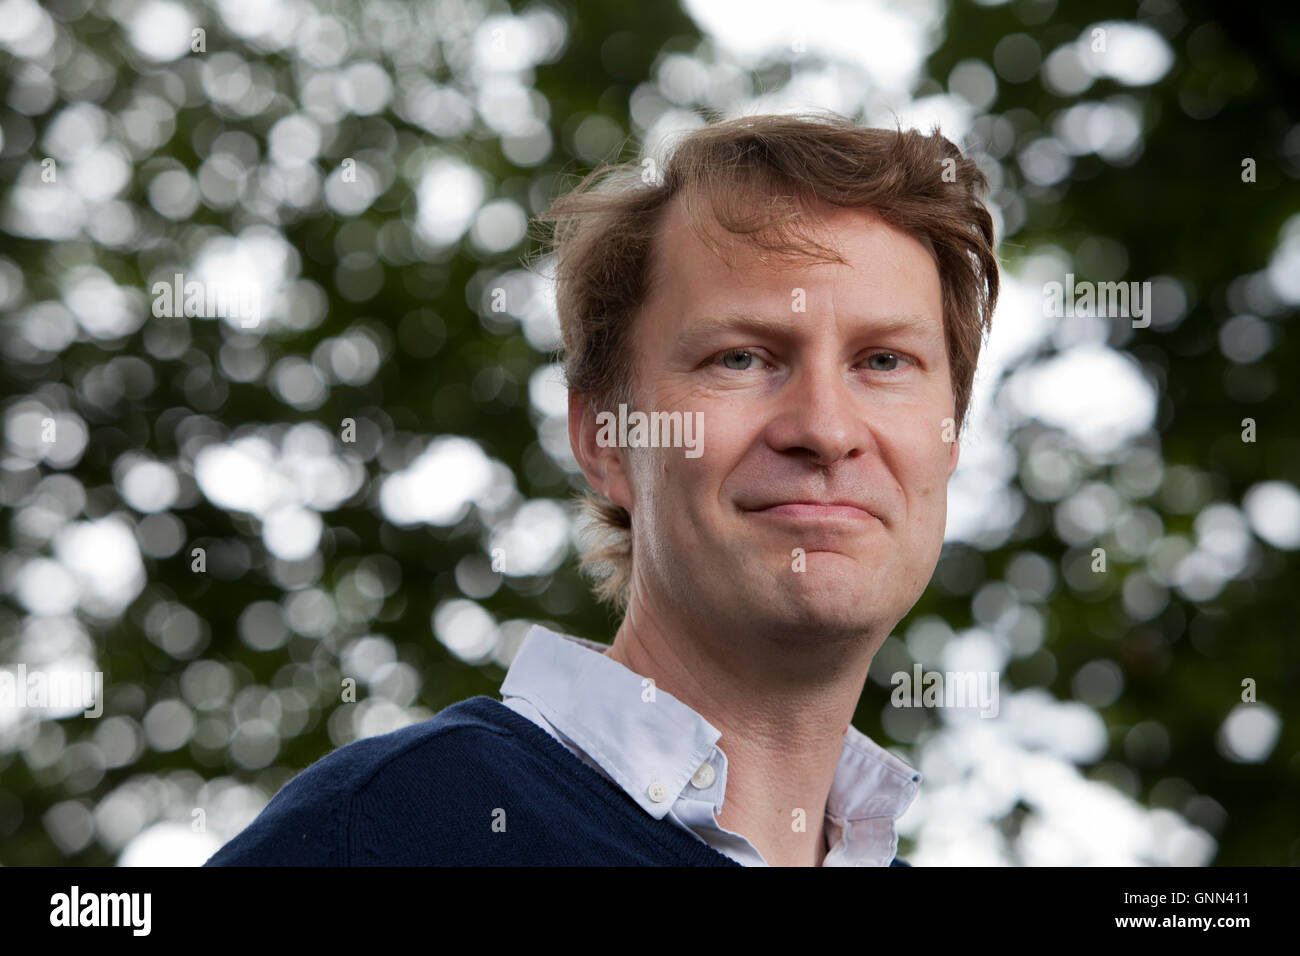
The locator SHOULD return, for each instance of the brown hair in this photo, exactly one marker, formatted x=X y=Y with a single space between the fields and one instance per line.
x=763 y=177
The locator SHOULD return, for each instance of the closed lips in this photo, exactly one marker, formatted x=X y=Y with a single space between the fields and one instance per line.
x=807 y=504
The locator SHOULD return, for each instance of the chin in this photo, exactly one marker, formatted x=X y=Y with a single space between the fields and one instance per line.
x=834 y=599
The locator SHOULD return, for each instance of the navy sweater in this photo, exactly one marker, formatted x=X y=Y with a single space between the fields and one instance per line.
x=477 y=785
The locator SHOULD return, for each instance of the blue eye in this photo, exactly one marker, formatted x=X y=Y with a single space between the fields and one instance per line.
x=746 y=357
x=891 y=356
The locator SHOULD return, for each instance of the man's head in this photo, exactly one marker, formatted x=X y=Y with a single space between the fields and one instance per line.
x=817 y=293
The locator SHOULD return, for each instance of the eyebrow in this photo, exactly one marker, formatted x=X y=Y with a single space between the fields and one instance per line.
x=780 y=329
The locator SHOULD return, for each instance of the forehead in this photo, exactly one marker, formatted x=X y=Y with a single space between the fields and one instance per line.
x=889 y=267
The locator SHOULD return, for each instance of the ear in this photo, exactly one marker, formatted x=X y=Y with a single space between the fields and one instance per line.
x=954 y=452
x=604 y=465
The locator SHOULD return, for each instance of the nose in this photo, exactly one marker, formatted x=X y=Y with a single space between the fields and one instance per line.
x=822 y=416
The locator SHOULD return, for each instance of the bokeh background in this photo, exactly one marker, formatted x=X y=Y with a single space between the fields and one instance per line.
x=370 y=169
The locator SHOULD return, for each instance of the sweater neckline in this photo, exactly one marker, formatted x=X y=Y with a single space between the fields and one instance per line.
x=497 y=713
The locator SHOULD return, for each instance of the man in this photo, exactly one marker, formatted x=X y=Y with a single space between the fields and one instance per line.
x=812 y=296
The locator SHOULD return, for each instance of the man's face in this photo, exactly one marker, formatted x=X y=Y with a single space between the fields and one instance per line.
x=820 y=497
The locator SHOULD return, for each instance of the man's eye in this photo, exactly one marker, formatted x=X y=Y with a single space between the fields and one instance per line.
x=891 y=360
x=744 y=360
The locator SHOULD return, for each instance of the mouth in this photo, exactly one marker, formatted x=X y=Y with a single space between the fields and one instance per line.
x=815 y=511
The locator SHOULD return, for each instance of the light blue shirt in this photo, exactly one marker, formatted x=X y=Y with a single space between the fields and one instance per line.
x=666 y=758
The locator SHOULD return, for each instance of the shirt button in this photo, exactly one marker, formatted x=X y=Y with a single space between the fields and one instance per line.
x=658 y=792
x=704 y=777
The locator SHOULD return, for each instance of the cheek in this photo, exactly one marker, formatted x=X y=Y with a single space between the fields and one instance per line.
x=923 y=473
x=664 y=483
x=698 y=484
x=924 y=498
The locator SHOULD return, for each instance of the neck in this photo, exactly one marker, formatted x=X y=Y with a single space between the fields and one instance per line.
x=782 y=698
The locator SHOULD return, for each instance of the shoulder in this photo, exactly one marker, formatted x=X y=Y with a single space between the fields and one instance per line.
x=387 y=778
x=462 y=732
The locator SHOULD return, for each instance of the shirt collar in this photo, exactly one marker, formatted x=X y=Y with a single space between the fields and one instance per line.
x=637 y=733
x=642 y=736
